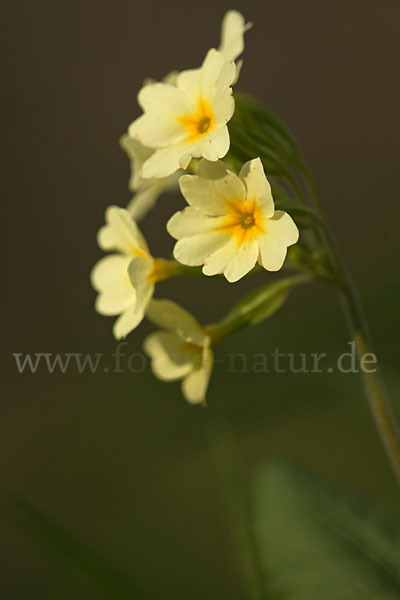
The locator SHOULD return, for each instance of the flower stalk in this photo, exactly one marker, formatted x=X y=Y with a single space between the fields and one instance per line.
x=379 y=403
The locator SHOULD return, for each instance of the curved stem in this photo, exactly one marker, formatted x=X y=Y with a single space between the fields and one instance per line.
x=379 y=403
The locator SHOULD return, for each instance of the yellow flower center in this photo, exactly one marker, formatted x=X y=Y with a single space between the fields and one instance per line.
x=200 y=122
x=244 y=221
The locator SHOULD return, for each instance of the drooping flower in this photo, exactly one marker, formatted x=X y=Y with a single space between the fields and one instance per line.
x=146 y=191
x=181 y=350
x=231 y=222
x=188 y=119
x=125 y=279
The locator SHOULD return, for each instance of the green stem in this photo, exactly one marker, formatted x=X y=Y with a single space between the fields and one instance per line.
x=379 y=402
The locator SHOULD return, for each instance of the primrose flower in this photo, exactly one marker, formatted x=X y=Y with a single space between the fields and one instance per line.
x=231 y=222
x=188 y=119
x=125 y=279
x=146 y=191
x=181 y=350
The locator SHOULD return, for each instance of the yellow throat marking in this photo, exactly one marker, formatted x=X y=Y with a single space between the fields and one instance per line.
x=244 y=221
x=200 y=122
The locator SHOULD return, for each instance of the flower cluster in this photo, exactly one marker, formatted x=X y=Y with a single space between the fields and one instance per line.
x=230 y=224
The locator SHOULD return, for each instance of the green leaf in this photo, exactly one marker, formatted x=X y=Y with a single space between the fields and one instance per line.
x=255 y=131
x=318 y=543
x=90 y=570
x=251 y=114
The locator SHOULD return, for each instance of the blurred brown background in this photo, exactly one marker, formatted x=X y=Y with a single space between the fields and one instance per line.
x=120 y=460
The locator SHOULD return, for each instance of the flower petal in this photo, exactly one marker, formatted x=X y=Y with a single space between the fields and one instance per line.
x=194 y=251
x=127 y=322
x=281 y=232
x=115 y=301
x=211 y=71
x=272 y=253
x=232 y=30
x=190 y=221
x=139 y=271
x=144 y=199
x=166 y=161
x=283 y=228
x=137 y=154
x=213 y=146
x=243 y=261
x=156 y=131
x=258 y=187
x=211 y=187
x=189 y=82
x=110 y=278
x=159 y=126
x=110 y=271
x=194 y=386
x=224 y=104
x=121 y=233
x=162 y=99
x=218 y=261
x=170 y=358
x=171 y=316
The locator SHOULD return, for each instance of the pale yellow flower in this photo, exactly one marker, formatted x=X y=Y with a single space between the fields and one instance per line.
x=188 y=119
x=231 y=222
x=125 y=279
x=146 y=191
x=181 y=350
x=186 y=114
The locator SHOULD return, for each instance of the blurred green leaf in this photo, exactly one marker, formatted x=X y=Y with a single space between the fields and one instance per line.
x=236 y=498
x=318 y=543
x=69 y=553
x=255 y=131
x=266 y=127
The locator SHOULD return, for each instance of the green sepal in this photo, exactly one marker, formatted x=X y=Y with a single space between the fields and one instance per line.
x=260 y=304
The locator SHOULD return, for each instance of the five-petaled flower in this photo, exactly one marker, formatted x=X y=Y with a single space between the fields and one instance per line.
x=181 y=350
x=231 y=222
x=186 y=114
x=125 y=279
x=188 y=119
